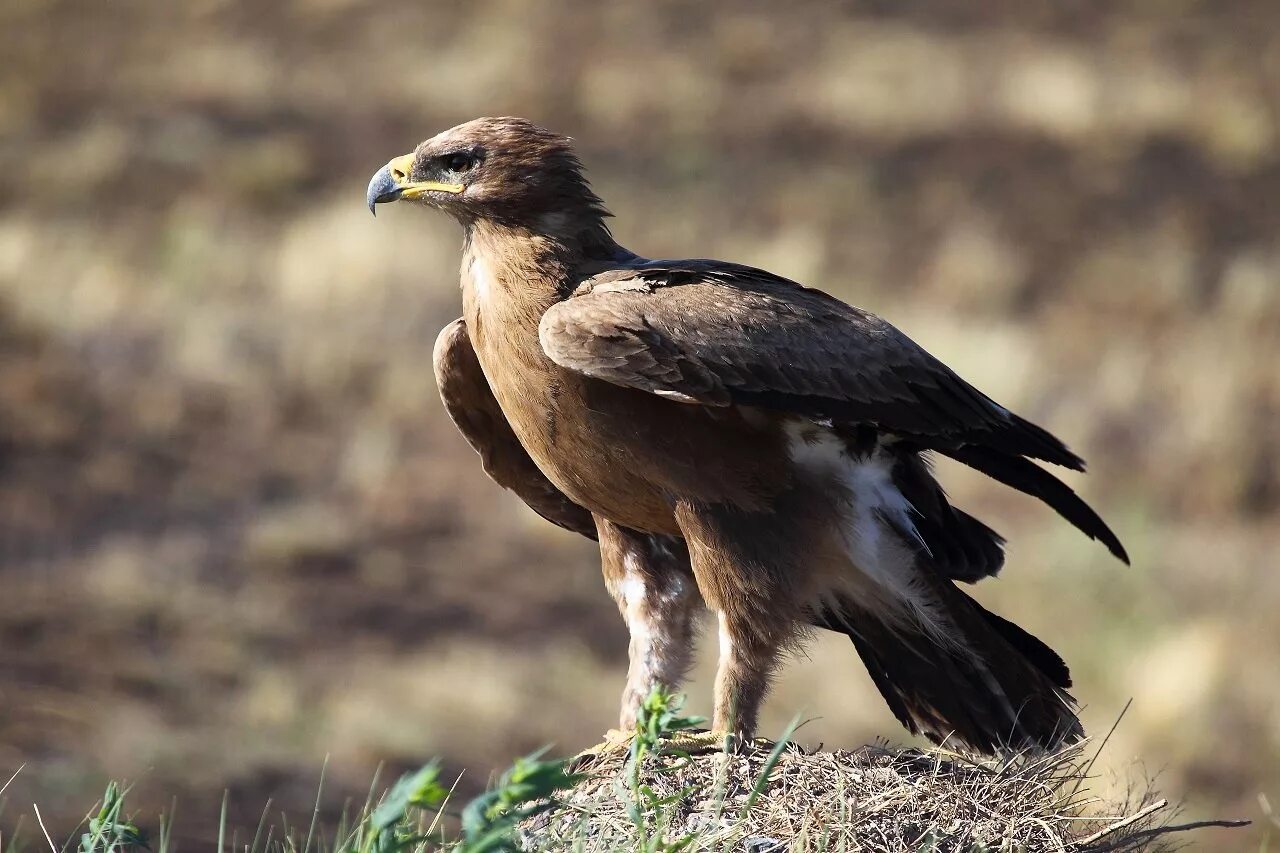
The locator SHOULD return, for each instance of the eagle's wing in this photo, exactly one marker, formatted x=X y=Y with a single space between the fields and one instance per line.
x=718 y=334
x=474 y=410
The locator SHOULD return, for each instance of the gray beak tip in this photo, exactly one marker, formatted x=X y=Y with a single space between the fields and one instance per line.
x=382 y=188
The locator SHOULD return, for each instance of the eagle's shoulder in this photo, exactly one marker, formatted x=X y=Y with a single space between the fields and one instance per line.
x=719 y=292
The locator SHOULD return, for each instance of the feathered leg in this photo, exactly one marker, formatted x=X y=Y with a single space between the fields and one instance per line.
x=649 y=577
x=742 y=570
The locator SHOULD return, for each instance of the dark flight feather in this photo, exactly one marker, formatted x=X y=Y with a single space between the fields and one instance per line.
x=1031 y=479
x=720 y=334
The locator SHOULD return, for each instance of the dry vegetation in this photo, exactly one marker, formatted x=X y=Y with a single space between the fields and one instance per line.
x=237 y=534
x=874 y=799
x=656 y=796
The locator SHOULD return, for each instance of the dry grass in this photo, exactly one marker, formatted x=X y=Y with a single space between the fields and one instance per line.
x=877 y=799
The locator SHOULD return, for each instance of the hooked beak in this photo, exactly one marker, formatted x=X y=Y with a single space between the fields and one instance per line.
x=391 y=183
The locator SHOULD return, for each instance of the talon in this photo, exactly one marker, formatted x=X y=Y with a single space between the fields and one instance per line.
x=616 y=742
x=700 y=743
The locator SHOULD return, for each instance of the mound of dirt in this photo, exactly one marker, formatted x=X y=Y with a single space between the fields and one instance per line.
x=874 y=798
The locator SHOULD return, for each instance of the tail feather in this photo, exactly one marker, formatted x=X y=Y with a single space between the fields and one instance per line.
x=1031 y=647
x=960 y=546
x=1028 y=477
x=998 y=687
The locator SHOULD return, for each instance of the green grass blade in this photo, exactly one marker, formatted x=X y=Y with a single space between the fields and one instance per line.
x=315 y=812
x=262 y=821
x=771 y=762
x=222 y=820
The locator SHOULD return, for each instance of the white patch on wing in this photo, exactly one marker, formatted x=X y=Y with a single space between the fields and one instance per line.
x=875 y=548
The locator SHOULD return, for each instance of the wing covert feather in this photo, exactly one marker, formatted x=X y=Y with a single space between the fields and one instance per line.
x=717 y=335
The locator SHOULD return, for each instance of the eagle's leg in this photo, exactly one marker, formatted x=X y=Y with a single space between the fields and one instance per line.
x=747 y=661
x=744 y=573
x=649 y=577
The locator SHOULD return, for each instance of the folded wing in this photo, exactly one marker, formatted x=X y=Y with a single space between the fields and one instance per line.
x=716 y=334
x=475 y=412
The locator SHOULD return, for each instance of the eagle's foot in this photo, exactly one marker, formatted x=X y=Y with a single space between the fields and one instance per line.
x=696 y=742
x=616 y=743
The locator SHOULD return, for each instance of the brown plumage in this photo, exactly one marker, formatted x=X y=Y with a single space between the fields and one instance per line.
x=475 y=412
x=736 y=440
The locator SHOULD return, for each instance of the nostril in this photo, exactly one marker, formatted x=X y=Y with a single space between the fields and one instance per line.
x=398 y=174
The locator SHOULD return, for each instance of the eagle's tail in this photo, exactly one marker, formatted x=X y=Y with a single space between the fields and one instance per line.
x=996 y=687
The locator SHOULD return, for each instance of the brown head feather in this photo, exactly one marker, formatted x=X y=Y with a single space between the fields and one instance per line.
x=516 y=174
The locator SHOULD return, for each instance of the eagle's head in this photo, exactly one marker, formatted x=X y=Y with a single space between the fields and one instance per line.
x=504 y=170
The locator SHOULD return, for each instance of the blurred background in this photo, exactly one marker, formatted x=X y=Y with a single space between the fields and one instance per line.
x=238 y=534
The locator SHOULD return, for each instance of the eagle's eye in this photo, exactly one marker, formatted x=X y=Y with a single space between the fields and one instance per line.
x=459 y=162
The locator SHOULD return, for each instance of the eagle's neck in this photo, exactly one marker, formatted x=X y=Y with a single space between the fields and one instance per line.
x=513 y=274
x=510 y=277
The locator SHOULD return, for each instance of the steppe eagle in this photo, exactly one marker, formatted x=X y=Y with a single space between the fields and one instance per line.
x=737 y=440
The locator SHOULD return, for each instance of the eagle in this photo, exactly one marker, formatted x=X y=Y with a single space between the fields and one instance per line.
x=735 y=441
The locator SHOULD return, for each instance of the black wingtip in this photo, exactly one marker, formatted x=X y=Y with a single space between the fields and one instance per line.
x=1046 y=446
x=1104 y=534
x=1028 y=477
